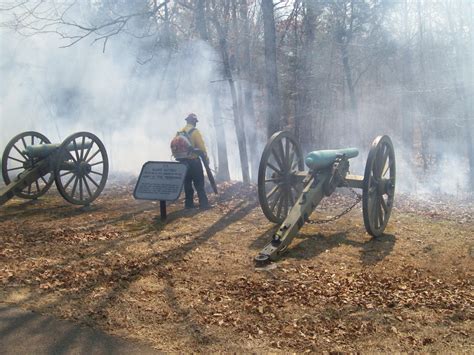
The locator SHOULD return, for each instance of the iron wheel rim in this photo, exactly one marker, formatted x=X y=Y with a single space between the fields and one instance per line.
x=81 y=178
x=13 y=156
x=379 y=186
x=278 y=185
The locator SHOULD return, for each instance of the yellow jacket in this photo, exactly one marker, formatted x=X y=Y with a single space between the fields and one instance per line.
x=196 y=140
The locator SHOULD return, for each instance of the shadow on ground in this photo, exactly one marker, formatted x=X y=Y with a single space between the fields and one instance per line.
x=371 y=251
x=116 y=283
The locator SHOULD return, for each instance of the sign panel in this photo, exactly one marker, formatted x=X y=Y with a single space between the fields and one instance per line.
x=160 y=180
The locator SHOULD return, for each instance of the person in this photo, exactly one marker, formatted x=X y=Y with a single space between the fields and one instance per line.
x=195 y=174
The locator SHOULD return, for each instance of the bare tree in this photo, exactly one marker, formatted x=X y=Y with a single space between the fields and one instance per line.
x=274 y=119
x=222 y=159
x=222 y=33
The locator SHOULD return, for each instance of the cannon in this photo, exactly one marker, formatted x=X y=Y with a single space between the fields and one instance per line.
x=30 y=163
x=288 y=195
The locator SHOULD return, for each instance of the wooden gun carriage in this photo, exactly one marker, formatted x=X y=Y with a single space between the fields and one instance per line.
x=288 y=195
x=30 y=163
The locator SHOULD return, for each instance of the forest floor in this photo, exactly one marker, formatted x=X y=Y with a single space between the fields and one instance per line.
x=191 y=284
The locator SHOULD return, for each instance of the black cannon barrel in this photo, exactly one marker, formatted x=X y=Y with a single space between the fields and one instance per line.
x=44 y=150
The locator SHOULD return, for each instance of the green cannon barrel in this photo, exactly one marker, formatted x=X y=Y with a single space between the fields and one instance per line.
x=320 y=159
x=43 y=150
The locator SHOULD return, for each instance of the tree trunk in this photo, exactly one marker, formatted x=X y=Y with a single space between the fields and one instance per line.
x=305 y=82
x=239 y=127
x=354 y=120
x=248 y=105
x=223 y=165
x=406 y=109
x=460 y=87
x=222 y=159
x=201 y=20
x=424 y=129
x=274 y=119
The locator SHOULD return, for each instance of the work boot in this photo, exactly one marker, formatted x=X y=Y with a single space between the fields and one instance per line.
x=205 y=206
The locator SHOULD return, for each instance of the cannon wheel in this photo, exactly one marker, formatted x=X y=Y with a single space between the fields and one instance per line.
x=15 y=162
x=379 y=186
x=278 y=185
x=81 y=173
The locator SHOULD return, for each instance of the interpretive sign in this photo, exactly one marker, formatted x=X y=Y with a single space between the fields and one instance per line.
x=160 y=180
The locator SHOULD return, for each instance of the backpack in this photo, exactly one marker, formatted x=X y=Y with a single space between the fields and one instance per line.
x=181 y=146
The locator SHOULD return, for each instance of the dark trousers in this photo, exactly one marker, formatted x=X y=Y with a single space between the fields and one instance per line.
x=194 y=175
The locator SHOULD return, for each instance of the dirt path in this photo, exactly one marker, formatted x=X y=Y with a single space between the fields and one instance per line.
x=191 y=285
x=25 y=332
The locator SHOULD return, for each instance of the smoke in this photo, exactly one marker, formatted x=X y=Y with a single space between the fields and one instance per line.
x=135 y=109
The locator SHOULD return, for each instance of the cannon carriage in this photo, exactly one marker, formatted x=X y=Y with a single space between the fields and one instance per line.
x=78 y=166
x=288 y=194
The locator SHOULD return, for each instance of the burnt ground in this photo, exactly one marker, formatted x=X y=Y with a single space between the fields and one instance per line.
x=191 y=284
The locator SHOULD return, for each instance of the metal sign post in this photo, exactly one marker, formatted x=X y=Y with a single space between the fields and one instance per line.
x=160 y=181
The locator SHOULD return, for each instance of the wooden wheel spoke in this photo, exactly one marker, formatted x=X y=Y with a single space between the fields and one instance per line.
x=87 y=187
x=274 y=168
x=287 y=151
x=93 y=156
x=66 y=173
x=74 y=187
x=274 y=180
x=381 y=160
x=96 y=173
x=295 y=164
x=15 y=159
x=76 y=153
x=67 y=155
x=373 y=211
x=19 y=151
x=282 y=153
x=384 y=204
x=275 y=201
x=277 y=159
x=384 y=162
x=82 y=147
x=380 y=213
x=17 y=168
x=100 y=162
x=88 y=151
x=388 y=167
x=69 y=181
x=272 y=192
x=37 y=186
x=92 y=180
x=44 y=180
x=291 y=160
x=374 y=180
x=280 y=203
x=80 y=189
x=24 y=142
x=375 y=164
